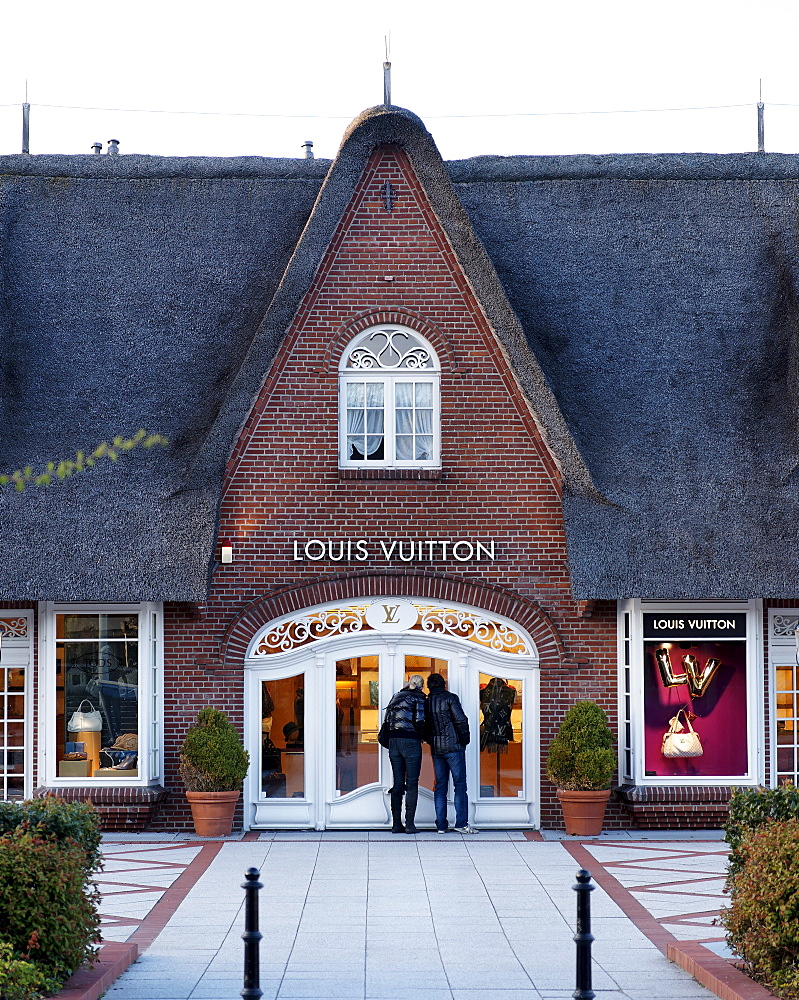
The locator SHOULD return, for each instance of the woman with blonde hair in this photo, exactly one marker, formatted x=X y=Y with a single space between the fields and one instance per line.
x=404 y=722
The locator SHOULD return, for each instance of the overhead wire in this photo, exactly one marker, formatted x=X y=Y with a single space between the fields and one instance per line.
x=519 y=114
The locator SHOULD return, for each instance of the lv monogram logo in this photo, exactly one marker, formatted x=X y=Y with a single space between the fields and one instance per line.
x=697 y=678
x=391 y=614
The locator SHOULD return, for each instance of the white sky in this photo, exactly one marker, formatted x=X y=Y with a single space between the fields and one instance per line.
x=296 y=71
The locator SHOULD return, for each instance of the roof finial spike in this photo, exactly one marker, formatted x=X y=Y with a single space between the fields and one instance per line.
x=387 y=72
x=761 y=124
x=26 y=123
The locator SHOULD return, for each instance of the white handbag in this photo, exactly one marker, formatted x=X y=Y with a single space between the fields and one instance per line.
x=85 y=722
x=677 y=743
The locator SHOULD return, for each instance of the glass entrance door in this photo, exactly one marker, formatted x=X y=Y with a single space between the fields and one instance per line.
x=359 y=783
x=315 y=702
x=505 y=752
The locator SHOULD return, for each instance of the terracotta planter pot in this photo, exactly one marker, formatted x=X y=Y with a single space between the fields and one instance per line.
x=212 y=812
x=583 y=812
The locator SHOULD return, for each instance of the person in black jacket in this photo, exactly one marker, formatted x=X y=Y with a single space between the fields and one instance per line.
x=447 y=732
x=405 y=721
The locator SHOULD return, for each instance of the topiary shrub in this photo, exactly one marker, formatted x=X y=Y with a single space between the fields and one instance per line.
x=212 y=758
x=581 y=757
x=67 y=822
x=762 y=921
x=751 y=808
x=48 y=908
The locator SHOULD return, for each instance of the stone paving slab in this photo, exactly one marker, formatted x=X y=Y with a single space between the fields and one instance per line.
x=481 y=917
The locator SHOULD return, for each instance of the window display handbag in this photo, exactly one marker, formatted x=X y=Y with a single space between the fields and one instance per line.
x=85 y=722
x=677 y=743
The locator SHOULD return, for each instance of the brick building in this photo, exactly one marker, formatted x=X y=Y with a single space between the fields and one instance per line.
x=529 y=422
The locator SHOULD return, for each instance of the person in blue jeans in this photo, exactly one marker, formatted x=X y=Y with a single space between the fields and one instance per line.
x=405 y=723
x=447 y=732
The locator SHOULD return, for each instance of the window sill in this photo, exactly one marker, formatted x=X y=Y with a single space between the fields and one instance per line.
x=390 y=474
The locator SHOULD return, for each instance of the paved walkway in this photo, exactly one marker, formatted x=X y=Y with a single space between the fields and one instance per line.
x=371 y=916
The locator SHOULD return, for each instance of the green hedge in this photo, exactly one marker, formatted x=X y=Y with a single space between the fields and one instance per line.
x=49 y=924
x=20 y=979
x=762 y=921
x=48 y=907
x=752 y=808
x=50 y=816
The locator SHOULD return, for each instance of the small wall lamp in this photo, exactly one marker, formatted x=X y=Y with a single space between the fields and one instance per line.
x=226 y=549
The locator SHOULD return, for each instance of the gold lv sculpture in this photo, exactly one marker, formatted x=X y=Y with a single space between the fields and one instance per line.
x=697 y=678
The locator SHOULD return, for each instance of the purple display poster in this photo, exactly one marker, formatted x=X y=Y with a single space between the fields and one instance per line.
x=719 y=707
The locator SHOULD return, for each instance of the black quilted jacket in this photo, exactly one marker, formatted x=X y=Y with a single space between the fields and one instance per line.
x=447 y=725
x=405 y=715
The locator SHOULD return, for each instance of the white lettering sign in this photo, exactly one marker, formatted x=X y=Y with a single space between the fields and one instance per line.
x=407 y=550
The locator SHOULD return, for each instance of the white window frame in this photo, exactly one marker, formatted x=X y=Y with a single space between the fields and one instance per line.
x=782 y=652
x=754 y=687
x=151 y=701
x=23 y=643
x=388 y=378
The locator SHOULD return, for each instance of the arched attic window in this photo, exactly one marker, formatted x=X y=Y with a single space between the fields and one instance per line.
x=389 y=401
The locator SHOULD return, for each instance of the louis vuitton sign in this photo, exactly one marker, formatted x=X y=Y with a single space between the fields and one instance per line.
x=700 y=625
x=407 y=550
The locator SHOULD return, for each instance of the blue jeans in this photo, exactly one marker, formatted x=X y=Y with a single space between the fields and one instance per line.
x=444 y=765
x=406 y=764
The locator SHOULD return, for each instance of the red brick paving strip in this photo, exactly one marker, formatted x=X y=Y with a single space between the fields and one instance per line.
x=117 y=956
x=712 y=971
x=716 y=972
x=89 y=984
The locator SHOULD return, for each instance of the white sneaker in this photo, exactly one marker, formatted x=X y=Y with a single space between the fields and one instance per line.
x=464 y=829
x=443 y=831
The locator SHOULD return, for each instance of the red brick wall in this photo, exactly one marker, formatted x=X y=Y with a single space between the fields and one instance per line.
x=497 y=479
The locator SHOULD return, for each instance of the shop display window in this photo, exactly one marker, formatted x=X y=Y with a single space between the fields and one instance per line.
x=784 y=662
x=283 y=737
x=104 y=694
x=97 y=695
x=13 y=670
x=501 y=769
x=695 y=671
x=786 y=688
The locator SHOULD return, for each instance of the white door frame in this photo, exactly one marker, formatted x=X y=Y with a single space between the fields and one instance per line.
x=368 y=805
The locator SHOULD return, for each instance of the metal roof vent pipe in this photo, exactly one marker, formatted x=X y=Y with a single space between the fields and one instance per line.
x=113 y=147
x=307 y=148
x=97 y=148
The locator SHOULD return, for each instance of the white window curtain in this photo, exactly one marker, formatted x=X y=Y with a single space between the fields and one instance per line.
x=365 y=414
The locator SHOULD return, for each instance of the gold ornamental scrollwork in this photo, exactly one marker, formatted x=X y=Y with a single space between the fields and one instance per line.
x=310 y=628
x=324 y=624
x=466 y=625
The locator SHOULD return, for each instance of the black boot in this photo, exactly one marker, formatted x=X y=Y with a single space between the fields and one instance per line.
x=411 y=798
x=396 y=811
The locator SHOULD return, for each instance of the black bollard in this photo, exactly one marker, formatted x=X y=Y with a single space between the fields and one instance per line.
x=583 y=937
x=251 y=936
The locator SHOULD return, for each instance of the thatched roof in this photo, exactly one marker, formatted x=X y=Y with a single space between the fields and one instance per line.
x=646 y=303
